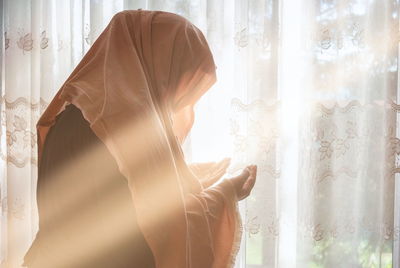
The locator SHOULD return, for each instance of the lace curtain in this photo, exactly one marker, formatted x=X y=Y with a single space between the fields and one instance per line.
x=307 y=90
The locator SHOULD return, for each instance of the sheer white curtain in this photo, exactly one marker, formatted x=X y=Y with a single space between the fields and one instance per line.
x=306 y=89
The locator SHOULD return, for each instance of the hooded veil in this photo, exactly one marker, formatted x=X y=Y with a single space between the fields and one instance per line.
x=145 y=66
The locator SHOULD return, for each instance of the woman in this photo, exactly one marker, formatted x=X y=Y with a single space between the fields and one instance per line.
x=113 y=187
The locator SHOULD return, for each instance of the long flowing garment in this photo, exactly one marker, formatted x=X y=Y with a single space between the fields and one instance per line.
x=91 y=215
x=145 y=66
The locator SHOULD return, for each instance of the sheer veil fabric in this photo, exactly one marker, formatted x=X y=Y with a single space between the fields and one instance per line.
x=144 y=66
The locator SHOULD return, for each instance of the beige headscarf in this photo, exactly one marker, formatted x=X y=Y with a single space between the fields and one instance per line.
x=145 y=66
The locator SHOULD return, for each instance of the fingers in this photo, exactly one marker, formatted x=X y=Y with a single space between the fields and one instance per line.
x=254 y=170
x=225 y=162
x=215 y=173
x=243 y=176
x=221 y=166
x=247 y=187
x=249 y=183
x=210 y=180
x=239 y=182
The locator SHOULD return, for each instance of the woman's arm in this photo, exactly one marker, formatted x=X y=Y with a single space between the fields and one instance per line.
x=214 y=222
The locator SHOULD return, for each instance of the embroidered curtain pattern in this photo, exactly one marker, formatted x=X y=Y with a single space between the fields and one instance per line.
x=307 y=90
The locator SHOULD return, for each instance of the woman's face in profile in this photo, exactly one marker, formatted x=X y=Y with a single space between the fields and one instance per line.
x=182 y=122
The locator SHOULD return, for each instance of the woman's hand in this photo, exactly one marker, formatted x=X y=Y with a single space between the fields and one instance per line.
x=210 y=172
x=244 y=182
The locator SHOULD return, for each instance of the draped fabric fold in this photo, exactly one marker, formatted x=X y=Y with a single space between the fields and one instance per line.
x=144 y=66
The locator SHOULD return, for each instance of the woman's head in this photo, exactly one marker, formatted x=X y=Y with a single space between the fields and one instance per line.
x=144 y=62
x=183 y=65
